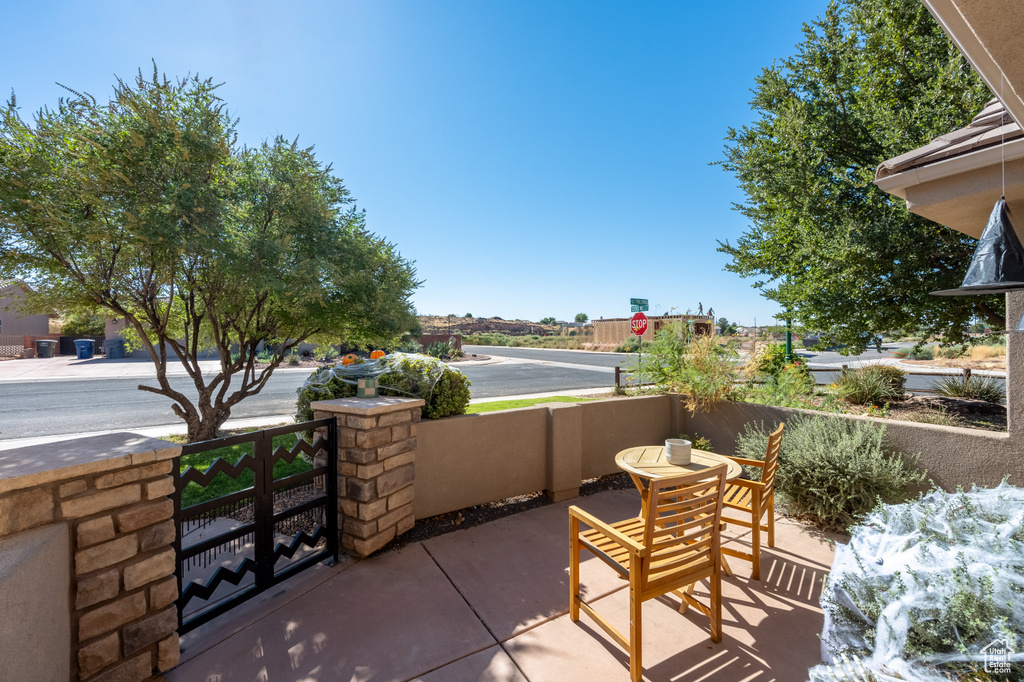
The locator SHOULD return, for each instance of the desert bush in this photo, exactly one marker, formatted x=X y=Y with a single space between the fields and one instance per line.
x=768 y=360
x=439 y=349
x=698 y=441
x=630 y=345
x=834 y=470
x=293 y=359
x=874 y=385
x=921 y=353
x=987 y=352
x=413 y=377
x=697 y=367
x=973 y=387
x=409 y=346
x=325 y=353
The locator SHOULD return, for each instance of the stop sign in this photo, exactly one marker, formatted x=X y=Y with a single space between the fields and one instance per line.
x=638 y=325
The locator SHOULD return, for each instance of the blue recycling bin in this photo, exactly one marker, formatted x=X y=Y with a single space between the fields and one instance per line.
x=115 y=349
x=83 y=347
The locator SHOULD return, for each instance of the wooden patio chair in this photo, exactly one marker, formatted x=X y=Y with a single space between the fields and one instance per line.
x=672 y=545
x=747 y=502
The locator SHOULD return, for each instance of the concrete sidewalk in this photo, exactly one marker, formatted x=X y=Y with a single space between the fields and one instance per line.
x=490 y=603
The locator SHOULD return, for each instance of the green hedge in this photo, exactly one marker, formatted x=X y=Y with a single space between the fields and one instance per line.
x=413 y=377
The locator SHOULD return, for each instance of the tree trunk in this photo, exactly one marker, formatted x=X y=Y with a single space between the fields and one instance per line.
x=206 y=426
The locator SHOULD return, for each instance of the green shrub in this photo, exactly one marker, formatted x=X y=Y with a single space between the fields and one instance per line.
x=769 y=360
x=293 y=359
x=325 y=353
x=834 y=470
x=874 y=385
x=698 y=441
x=630 y=345
x=921 y=353
x=409 y=346
x=952 y=352
x=973 y=387
x=439 y=349
x=265 y=356
x=696 y=367
x=413 y=377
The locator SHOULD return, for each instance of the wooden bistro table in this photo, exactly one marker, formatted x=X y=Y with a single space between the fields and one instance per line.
x=648 y=462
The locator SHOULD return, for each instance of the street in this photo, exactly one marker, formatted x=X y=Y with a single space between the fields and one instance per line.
x=82 y=405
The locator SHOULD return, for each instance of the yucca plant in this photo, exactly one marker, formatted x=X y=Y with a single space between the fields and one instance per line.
x=875 y=385
x=975 y=388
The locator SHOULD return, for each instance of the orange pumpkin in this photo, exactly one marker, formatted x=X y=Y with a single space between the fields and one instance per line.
x=377 y=354
x=349 y=359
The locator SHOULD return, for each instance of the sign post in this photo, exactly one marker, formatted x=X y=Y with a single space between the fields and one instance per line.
x=638 y=325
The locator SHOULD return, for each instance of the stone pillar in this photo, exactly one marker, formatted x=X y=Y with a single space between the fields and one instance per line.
x=376 y=468
x=112 y=494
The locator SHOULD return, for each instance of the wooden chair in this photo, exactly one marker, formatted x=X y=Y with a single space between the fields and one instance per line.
x=747 y=502
x=672 y=545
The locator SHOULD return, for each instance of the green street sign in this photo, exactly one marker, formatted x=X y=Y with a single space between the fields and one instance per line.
x=638 y=305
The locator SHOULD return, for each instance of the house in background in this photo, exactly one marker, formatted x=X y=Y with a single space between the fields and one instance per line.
x=12 y=322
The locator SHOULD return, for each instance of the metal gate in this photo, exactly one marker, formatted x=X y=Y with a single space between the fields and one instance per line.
x=232 y=547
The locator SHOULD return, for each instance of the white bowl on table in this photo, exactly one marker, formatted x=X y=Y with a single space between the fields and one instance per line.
x=678 y=451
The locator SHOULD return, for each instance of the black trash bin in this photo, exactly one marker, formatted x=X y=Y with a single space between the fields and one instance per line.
x=83 y=348
x=115 y=349
x=45 y=348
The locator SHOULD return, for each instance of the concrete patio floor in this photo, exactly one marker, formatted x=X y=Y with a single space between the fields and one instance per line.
x=490 y=603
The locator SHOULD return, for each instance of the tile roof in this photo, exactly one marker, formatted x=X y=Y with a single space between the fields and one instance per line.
x=987 y=129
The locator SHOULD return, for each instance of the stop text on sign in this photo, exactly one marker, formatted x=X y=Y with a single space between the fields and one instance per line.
x=638 y=325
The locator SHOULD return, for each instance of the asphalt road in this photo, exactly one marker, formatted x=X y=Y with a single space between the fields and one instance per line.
x=45 y=408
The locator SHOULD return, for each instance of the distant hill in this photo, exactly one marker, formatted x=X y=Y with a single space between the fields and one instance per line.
x=438 y=324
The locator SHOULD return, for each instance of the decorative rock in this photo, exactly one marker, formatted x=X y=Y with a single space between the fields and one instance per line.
x=168 y=653
x=155 y=537
x=23 y=510
x=97 y=588
x=98 y=655
x=95 y=530
x=148 y=631
x=111 y=616
x=107 y=554
x=149 y=570
x=144 y=515
x=101 y=501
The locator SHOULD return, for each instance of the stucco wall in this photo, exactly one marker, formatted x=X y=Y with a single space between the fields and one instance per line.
x=35 y=630
x=610 y=426
x=13 y=322
x=476 y=458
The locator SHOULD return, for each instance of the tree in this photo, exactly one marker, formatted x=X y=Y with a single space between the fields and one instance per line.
x=548 y=320
x=582 y=317
x=469 y=316
x=82 y=323
x=871 y=80
x=146 y=207
x=725 y=327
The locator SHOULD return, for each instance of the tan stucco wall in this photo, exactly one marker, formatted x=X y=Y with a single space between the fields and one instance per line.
x=610 y=426
x=476 y=458
x=13 y=322
x=35 y=628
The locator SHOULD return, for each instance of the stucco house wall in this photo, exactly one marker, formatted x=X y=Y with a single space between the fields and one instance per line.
x=13 y=322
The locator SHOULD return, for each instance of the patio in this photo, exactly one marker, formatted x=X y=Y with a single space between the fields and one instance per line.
x=471 y=605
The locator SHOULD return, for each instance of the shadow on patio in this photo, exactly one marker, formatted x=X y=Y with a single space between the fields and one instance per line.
x=491 y=602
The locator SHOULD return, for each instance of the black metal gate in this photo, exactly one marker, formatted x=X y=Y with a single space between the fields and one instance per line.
x=232 y=547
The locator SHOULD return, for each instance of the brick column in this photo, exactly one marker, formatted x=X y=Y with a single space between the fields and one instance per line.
x=376 y=468
x=113 y=494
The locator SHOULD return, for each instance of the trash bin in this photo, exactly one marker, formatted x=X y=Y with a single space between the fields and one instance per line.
x=83 y=348
x=45 y=348
x=115 y=349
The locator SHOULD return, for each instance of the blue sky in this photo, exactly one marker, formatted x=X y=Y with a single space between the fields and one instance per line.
x=534 y=158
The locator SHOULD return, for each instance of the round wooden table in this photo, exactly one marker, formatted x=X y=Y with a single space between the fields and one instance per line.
x=648 y=462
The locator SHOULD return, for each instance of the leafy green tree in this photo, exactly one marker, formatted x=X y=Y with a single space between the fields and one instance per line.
x=548 y=320
x=146 y=207
x=82 y=323
x=582 y=317
x=872 y=79
x=469 y=316
x=725 y=327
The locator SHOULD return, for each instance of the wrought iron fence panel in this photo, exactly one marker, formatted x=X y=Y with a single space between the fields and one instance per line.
x=232 y=547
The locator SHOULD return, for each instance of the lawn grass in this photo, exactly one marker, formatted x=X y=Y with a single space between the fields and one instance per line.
x=222 y=484
x=525 y=402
